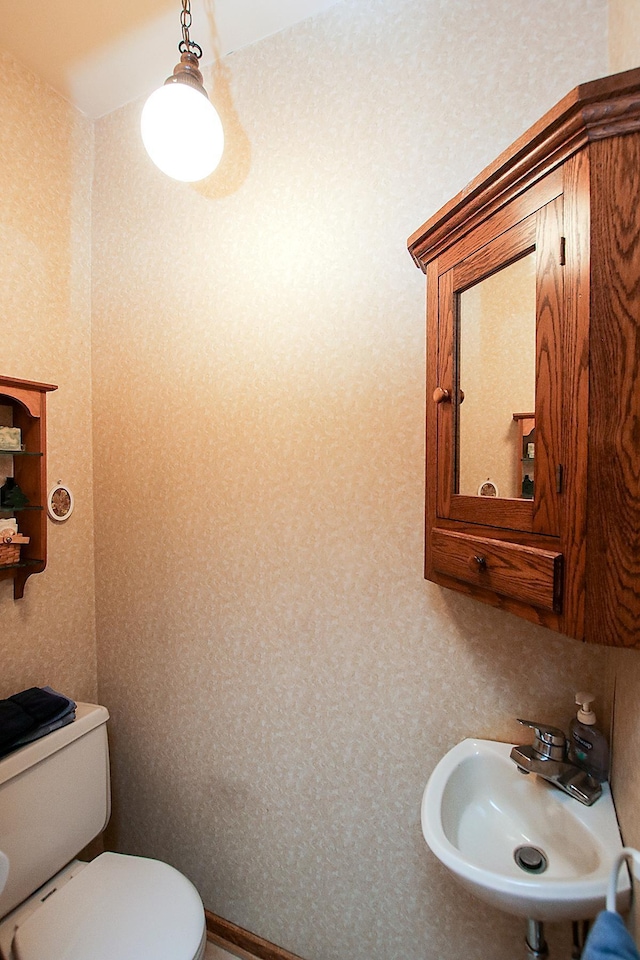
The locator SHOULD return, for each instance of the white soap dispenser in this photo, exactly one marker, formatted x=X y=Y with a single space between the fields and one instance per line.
x=588 y=746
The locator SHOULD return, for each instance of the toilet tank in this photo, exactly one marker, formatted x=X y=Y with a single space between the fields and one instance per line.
x=54 y=799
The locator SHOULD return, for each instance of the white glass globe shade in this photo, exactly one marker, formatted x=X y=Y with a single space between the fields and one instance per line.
x=182 y=132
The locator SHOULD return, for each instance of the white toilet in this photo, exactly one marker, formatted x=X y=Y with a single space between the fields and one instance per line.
x=55 y=799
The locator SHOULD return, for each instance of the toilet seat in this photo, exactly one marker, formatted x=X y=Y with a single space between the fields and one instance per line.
x=117 y=908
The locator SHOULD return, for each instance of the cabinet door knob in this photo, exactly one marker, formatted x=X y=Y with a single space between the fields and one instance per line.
x=480 y=562
x=440 y=395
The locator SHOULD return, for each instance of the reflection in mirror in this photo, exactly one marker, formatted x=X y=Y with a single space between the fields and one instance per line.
x=496 y=363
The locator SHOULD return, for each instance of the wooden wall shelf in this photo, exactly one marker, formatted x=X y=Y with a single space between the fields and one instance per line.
x=27 y=401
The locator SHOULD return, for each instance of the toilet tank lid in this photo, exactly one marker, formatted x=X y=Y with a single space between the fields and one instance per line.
x=88 y=717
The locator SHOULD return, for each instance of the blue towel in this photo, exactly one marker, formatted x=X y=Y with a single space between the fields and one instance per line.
x=32 y=714
x=66 y=714
x=609 y=939
x=25 y=711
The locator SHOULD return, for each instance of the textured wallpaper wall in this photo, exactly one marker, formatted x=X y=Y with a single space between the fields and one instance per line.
x=624 y=34
x=46 y=154
x=281 y=679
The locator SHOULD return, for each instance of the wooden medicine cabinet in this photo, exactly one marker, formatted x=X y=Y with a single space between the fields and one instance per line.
x=533 y=304
x=23 y=405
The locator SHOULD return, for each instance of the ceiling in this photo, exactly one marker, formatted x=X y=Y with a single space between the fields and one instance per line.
x=100 y=54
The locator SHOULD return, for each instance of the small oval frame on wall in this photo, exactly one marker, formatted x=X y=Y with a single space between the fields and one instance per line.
x=60 y=502
x=488 y=489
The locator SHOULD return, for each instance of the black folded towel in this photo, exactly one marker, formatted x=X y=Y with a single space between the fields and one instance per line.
x=25 y=711
x=64 y=716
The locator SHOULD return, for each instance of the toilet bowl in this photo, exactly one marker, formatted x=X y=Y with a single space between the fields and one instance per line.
x=115 y=908
x=54 y=799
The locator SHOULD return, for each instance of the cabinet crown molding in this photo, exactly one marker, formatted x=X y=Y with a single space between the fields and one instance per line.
x=592 y=111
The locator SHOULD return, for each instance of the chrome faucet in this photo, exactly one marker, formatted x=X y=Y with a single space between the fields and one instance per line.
x=547 y=756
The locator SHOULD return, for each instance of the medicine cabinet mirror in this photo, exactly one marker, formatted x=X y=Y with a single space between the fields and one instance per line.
x=496 y=373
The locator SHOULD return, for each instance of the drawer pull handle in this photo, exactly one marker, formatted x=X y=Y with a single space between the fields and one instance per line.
x=481 y=562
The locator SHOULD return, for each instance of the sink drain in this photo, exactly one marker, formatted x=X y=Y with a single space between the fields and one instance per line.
x=531 y=859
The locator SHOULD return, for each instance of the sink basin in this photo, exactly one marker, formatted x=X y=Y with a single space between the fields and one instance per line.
x=478 y=810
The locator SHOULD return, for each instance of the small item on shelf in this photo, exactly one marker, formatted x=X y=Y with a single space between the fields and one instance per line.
x=10 y=543
x=531 y=451
x=11 y=495
x=527 y=488
x=10 y=439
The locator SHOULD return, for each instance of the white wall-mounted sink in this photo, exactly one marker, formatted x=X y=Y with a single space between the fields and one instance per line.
x=478 y=809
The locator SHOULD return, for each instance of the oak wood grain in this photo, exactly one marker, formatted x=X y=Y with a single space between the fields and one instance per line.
x=446 y=412
x=549 y=396
x=491 y=256
x=512 y=212
x=575 y=394
x=544 y=618
x=431 y=420
x=513 y=570
x=613 y=521
x=230 y=934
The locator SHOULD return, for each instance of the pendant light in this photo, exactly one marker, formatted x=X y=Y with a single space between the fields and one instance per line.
x=181 y=129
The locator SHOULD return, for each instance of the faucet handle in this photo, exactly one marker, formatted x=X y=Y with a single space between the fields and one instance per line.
x=550 y=742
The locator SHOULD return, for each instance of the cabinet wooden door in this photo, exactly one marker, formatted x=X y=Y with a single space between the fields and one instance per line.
x=479 y=402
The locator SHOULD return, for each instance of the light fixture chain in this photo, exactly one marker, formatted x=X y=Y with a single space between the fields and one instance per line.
x=187 y=45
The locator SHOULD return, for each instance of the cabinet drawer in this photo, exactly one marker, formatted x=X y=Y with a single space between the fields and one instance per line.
x=524 y=573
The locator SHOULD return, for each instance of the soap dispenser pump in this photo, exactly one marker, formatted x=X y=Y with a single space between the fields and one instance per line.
x=588 y=746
